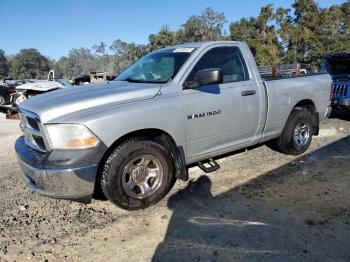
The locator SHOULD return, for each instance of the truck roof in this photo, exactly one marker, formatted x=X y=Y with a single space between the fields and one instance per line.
x=202 y=44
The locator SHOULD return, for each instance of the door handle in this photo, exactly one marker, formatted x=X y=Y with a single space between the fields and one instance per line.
x=248 y=93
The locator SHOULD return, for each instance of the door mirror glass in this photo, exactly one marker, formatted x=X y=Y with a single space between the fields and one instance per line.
x=208 y=76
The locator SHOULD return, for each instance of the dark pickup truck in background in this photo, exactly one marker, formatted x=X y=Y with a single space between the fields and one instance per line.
x=338 y=66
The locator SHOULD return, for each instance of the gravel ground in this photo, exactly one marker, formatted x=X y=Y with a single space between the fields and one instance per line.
x=261 y=205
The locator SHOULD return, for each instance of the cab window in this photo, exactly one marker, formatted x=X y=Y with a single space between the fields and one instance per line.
x=228 y=58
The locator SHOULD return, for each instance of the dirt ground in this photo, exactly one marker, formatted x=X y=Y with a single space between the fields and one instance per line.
x=261 y=205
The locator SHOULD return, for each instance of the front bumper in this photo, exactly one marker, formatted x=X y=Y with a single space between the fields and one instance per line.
x=345 y=102
x=62 y=174
x=75 y=184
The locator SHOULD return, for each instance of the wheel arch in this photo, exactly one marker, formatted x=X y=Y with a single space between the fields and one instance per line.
x=161 y=136
x=309 y=105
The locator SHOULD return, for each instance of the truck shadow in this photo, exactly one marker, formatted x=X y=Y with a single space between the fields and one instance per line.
x=340 y=114
x=297 y=212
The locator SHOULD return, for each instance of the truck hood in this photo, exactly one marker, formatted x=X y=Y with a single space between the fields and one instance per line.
x=341 y=78
x=53 y=105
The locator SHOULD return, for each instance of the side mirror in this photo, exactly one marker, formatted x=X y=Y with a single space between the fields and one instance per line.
x=208 y=76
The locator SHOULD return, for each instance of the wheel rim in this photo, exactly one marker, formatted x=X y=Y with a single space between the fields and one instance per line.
x=2 y=100
x=301 y=134
x=142 y=176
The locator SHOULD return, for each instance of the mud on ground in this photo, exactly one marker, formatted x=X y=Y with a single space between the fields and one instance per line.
x=261 y=205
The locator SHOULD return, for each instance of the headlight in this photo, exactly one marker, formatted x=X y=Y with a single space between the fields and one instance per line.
x=70 y=136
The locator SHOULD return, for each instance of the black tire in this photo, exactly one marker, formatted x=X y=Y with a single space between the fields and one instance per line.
x=113 y=170
x=286 y=142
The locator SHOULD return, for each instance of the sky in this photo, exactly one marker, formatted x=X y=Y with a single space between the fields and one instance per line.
x=55 y=27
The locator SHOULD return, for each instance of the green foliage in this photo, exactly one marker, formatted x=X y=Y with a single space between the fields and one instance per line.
x=100 y=48
x=261 y=36
x=124 y=54
x=206 y=27
x=4 y=66
x=298 y=31
x=79 y=61
x=82 y=61
x=163 y=38
x=303 y=33
x=332 y=34
x=30 y=64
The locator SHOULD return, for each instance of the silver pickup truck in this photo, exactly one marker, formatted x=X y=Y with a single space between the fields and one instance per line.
x=182 y=105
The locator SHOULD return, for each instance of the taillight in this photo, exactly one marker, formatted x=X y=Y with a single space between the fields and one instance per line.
x=11 y=90
x=331 y=93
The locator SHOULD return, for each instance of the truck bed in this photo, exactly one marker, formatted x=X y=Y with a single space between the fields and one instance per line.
x=284 y=93
x=266 y=77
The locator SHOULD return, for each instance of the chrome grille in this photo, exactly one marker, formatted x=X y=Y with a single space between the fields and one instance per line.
x=340 y=90
x=31 y=127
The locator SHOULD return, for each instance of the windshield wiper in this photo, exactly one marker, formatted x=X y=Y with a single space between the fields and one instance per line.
x=131 y=80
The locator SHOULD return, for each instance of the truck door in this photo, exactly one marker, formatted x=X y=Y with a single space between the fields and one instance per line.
x=225 y=115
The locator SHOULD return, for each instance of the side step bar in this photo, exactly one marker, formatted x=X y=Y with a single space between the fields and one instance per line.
x=209 y=165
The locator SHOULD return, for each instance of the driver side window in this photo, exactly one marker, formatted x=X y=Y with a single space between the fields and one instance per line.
x=228 y=58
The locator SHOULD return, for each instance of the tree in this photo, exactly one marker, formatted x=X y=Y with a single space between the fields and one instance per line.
x=79 y=61
x=333 y=31
x=4 y=66
x=206 y=27
x=125 y=54
x=119 y=48
x=135 y=51
x=261 y=36
x=213 y=23
x=298 y=31
x=100 y=48
x=163 y=38
x=30 y=64
x=302 y=33
x=308 y=32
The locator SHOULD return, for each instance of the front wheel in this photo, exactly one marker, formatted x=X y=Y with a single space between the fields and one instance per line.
x=138 y=173
x=296 y=136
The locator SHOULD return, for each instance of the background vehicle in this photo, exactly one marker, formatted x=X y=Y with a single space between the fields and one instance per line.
x=6 y=94
x=338 y=66
x=9 y=82
x=94 y=77
x=29 y=90
x=80 y=80
x=9 y=97
x=177 y=106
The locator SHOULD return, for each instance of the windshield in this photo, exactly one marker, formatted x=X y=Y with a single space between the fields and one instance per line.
x=157 y=67
x=339 y=67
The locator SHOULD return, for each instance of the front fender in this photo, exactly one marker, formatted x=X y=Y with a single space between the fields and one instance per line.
x=163 y=113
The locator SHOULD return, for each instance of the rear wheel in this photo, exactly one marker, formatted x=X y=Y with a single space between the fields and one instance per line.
x=138 y=173
x=296 y=136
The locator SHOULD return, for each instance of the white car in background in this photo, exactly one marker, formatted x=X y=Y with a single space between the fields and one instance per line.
x=29 y=90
